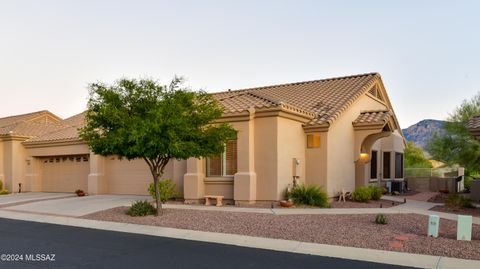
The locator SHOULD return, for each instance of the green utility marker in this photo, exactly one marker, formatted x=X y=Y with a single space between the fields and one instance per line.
x=433 y=224
x=464 y=228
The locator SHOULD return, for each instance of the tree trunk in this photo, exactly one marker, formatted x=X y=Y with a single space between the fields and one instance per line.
x=157 y=196
x=157 y=166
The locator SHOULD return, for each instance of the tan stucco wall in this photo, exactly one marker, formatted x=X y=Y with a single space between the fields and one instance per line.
x=266 y=157
x=316 y=163
x=291 y=145
x=13 y=164
x=341 y=146
x=74 y=149
x=219 y=186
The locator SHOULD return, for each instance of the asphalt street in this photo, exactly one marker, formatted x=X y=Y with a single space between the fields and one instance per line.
x=37 y=245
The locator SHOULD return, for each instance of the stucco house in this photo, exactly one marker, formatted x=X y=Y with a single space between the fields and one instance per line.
x=338 y=133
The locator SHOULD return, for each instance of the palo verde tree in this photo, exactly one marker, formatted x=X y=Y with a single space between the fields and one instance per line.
x=144 y=119
x=415 y=157
x=457 y=145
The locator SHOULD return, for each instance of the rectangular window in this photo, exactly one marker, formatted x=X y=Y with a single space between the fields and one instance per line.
x=224 y=164
x=313 y=140
x=398 y=165
x=386 y=165
x=373 y=165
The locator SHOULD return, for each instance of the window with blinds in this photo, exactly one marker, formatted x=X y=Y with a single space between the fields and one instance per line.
x=225 y=164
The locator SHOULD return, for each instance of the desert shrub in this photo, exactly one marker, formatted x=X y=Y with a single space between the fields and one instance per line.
x=141 y=208
x=362 y=194
x=375 y=192
x=457 y=201
x=381 y=219
x=3 y=192
x=309 y=195
x=167 y=189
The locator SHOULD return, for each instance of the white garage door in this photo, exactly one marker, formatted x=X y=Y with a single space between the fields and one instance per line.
x=65 y=173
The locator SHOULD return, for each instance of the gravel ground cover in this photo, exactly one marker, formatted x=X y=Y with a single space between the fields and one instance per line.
x=404 y=232
x=462 y=211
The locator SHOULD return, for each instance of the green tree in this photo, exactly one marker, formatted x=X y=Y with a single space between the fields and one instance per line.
x=457 y=145
x=415 y=157
x=143 y=119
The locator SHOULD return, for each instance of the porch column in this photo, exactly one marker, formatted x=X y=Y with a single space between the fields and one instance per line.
x=193 y=185
x=245 y=180
x=97 y=181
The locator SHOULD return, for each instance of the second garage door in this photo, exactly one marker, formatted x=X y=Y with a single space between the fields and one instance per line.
x=65 y=173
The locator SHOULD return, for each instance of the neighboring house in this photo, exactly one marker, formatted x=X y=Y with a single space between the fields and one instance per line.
x=339 y=133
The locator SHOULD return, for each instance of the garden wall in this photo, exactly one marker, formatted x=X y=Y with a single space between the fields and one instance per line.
x=433 y=184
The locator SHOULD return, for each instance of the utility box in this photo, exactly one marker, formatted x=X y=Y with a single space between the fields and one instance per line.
x=464 y=228
x=433 y=224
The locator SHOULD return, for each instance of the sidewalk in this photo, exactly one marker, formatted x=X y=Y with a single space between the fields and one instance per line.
x=380 y=256
x=411 y=206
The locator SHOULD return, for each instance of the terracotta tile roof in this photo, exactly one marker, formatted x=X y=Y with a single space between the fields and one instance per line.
x=29 y=128
x=31 y=124
x=474 y=122
x=326 y=98
x=323 y=100
x=23 y=117
x=372 y=118
x=68 y=132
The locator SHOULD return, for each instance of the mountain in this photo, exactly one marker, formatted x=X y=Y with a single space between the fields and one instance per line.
x=421 y=132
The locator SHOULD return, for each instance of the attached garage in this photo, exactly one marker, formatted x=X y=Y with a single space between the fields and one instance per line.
x=65 y=173
x=127 y=177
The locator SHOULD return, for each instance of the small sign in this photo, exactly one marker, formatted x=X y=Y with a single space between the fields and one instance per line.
x=433 y=224
x=464 y=228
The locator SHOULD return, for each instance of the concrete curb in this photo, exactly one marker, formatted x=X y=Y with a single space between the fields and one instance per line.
x=371 y=255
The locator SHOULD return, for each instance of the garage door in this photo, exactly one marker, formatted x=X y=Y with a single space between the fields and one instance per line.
x=65 y=173
x=128 y=177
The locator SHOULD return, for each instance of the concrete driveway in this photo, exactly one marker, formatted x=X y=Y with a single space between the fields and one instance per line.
x=30 y=197
x=77 y=206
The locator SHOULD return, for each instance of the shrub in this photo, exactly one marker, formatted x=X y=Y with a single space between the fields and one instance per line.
x=167 y=189
x=362 y=195
x=375 y=192
x=468 y=182
x=381 y=219
x=1 y=185
x=309 y=195
x=141 y=208
x=3 y=192
x=457 y=201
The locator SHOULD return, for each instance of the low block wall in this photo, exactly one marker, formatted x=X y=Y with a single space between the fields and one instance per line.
x=431 y=183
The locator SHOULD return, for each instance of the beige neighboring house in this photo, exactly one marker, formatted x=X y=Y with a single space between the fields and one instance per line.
x=339 y=133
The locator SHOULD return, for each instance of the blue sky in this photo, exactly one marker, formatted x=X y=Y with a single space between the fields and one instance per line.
x=428 y=52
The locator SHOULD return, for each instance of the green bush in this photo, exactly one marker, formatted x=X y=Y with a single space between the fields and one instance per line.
x=381 y=219
x=362 y=195
x=3 y=192
x=167 y=189
x=457 y=201
x=1 y=185
x=141 y=208
x=309 y=195
x=468 y=182
x=375 y=192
